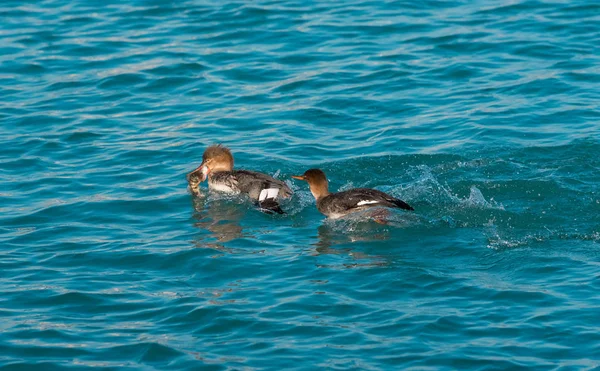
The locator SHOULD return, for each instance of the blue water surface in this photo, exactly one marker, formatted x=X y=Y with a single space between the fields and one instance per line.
x=483 y=115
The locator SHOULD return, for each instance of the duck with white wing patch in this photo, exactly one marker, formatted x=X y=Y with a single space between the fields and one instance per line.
x=217 y=167
x=336 y=205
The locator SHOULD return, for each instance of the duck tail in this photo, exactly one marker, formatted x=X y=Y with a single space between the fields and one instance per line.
x=270 y=206
x=401 y=204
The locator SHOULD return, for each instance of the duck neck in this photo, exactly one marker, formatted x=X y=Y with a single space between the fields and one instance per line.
x=319 y=190
x=219 y=168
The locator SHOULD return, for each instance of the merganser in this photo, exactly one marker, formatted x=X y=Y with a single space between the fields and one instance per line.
x=336 y=205
x=217 y=166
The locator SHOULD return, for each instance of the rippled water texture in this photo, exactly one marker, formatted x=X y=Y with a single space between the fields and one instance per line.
x=483 y=115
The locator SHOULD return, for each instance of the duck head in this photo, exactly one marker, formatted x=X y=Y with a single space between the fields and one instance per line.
x=317 y=181
x=215 y=158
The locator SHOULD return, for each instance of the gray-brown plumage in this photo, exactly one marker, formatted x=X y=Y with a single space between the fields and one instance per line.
x=217 y=166
x=336 y=205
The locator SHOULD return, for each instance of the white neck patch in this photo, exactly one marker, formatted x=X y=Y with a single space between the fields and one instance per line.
x=220 y=187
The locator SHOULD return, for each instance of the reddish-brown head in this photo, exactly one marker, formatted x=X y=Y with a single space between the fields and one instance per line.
x=215 y=158
x=317 y=181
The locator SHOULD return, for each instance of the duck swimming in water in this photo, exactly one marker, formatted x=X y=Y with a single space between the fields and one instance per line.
x=336 y=205
x=217 y=166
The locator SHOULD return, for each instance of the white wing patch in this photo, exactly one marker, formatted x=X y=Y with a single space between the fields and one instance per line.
x=366 y=202
x=268 y=193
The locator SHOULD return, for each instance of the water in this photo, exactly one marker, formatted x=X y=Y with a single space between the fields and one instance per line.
x=482 y=115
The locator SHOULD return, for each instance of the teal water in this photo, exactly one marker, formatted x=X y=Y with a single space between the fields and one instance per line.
x=482 y=115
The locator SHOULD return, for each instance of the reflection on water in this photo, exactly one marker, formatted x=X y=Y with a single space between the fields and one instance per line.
x=219 y=217
x=344 y=232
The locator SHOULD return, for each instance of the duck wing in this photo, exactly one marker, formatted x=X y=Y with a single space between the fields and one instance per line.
x=361 y=198
x=263 y=188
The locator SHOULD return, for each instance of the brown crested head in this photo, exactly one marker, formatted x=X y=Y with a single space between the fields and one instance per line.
x=218 y=158
x=215 y=158
x=317 y=181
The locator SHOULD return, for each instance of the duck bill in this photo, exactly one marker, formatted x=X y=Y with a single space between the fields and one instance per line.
x=299 y=177
x=201 y=172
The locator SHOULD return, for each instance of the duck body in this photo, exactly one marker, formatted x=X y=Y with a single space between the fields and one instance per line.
x=337 y=205
x=257 y=186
